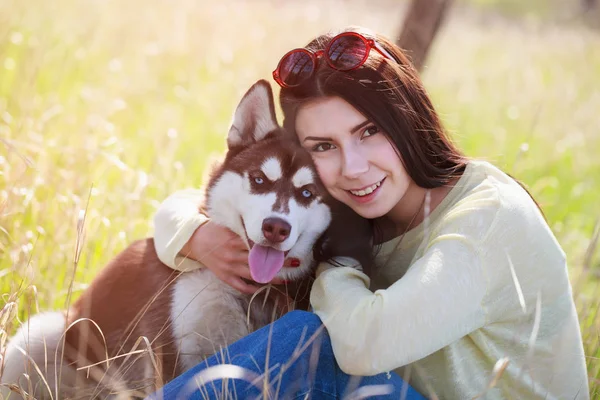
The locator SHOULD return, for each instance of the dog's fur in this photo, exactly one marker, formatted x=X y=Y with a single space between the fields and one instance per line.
x=140 y=323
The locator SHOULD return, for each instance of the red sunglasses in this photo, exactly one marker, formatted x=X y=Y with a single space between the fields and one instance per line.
x=345 y=52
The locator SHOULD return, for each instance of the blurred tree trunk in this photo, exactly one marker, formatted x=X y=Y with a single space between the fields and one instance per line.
x=421 y=24
x=589 y=4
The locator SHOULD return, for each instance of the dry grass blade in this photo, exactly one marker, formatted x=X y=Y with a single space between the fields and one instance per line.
x=109 y=91
x=267 y=289
x=406 y=379
x=365 y=392
x=37 y=370
x=12 y=148
x=218 y=372
x=156 y=369
x=591 y=249
x=134 y=323
x=497 y=373
x=429 y=391
x=58 y=371
x=7 y=314
x=114 y=381
x=536 y=326
x=513 y=274
x=18 y=390
x=80 y=239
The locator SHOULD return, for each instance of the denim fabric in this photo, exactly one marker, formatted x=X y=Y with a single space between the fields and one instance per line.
x=301 y=365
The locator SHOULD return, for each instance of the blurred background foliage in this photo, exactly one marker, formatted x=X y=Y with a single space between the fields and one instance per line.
x=110 y=106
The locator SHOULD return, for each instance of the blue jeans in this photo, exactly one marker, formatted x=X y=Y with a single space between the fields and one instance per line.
x=297 y=353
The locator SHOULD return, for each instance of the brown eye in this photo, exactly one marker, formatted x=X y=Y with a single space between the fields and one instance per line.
x=370 y=131
x=321 y=147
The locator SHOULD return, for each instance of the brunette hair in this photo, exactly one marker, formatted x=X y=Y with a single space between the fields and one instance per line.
x=391 y=94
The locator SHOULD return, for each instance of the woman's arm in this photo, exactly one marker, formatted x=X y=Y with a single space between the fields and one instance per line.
x=186 y=240
x=176 y=220
x=438 y=301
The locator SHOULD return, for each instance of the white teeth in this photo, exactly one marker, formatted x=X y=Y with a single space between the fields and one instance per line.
x=366 y=191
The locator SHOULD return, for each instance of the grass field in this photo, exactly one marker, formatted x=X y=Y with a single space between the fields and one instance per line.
x=110 y=106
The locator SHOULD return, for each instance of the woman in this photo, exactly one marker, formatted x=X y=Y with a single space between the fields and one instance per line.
x=470 y=288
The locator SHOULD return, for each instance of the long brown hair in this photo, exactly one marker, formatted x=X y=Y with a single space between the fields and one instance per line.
x=391 y=94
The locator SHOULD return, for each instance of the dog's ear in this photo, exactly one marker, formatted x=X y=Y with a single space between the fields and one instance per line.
x=254 y=117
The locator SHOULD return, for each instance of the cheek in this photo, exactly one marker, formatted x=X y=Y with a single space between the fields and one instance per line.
x=400 y=171
x=389 y=160
x=326 y=169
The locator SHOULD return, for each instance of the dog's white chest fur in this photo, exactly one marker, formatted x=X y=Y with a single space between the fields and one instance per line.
x=207 y=315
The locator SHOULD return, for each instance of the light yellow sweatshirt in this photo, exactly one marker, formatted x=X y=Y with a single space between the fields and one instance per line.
x=479 y=283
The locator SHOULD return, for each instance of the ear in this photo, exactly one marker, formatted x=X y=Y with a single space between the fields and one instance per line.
x=254 y=117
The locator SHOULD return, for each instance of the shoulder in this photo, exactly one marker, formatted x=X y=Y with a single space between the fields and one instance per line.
x=492 y=207
x=518 y=253
x=517 y=215
x=521 y=256
x=506 y=225
x=474 y=205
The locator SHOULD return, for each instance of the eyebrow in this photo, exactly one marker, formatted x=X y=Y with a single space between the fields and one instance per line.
x=359 y=126
x=318 y=138
x=327 y=139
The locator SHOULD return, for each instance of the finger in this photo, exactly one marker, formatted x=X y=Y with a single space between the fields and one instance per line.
x=242 y=270
x=240 y=285
x=238 y=243
x=233 y=256
x=239 y=258
x=234 y=238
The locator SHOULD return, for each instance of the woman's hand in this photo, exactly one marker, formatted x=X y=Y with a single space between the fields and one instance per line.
x=224 y=253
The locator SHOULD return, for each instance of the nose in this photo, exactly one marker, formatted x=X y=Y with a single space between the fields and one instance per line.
x=354 y=163
x=276 y=230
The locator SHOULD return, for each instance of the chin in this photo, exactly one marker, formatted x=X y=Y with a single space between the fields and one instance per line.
x=369 y=211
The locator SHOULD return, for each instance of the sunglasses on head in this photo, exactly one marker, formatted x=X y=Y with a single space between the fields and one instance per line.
x=345 y=52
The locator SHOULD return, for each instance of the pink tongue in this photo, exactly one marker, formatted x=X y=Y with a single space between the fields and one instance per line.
x=265 y=263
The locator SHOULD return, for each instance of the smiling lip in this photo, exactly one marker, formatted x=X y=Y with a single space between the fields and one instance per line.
x=367 y=189
x=366 y=194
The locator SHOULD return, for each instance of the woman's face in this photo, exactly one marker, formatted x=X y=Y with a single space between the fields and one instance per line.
x=356 y=162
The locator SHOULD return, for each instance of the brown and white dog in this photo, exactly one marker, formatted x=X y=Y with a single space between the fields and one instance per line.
x=141 y=323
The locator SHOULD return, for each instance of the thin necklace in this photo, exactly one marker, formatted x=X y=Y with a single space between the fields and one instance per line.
x=426 y=198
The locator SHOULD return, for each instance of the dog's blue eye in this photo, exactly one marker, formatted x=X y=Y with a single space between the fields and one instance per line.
x=306 y=193
x=259 y=180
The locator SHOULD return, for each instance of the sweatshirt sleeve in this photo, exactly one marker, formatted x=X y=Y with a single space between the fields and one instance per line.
x=176 y=219
x=375 y=332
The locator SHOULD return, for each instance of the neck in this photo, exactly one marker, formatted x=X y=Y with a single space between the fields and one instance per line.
x=410 y=210
x=408 y=213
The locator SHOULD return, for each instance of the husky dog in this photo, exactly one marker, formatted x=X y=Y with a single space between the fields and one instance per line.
x=140 y=323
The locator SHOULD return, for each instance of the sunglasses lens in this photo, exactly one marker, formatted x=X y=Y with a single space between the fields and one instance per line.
x=295 y=68
x=347 y=52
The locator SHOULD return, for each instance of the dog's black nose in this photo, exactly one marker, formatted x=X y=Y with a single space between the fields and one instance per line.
x=276 y=230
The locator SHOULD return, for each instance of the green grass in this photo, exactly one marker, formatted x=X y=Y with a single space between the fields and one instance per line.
x=114 y=105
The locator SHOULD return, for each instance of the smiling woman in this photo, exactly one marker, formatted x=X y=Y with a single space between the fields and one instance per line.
x=469 y=281
x=357 y=163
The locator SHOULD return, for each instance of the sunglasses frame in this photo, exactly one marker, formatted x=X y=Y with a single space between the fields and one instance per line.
x=314 y=56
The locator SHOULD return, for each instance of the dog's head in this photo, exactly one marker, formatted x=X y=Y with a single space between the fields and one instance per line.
x=268 y=192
